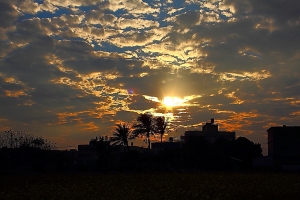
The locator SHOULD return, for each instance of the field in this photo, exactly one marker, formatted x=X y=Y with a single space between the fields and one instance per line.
x=157 y=186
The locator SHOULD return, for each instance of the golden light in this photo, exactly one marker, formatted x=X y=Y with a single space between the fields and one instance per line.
x=172 y=101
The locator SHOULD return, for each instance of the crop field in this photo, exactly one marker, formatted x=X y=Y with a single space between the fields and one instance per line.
x=156 y=186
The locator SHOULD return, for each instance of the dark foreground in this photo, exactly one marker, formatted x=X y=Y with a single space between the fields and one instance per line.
x=157 y=186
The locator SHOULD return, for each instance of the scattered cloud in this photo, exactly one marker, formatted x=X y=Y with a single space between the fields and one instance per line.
x=71 y=69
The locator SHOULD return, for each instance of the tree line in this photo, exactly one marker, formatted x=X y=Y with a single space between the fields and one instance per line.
x=21 y=139
x=20 y=150
x=195 y=153
x=146 y=126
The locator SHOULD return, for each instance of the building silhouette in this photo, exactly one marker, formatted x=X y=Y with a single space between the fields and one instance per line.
x=284 y=141
x=210 y=132
x=167 y=145
x=86 y=154
x=283 y=149
x=284 y=145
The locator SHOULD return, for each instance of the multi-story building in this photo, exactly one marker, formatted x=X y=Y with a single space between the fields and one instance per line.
x=283 y=148
x=284 y=141
x=284 y=145
x=210 y=131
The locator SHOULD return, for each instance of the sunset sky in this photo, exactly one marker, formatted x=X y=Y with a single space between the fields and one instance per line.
x=71 y=69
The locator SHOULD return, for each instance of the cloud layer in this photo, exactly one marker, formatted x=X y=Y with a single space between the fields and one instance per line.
x=69 y=70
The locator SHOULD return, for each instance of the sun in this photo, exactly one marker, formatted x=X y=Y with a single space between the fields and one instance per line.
x=172 y=101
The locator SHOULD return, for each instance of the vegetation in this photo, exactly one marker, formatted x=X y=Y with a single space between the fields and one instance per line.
x=145 y=127
x=22 y=139
x=121 y=135
x=245 y=150
x=161 y=126
x=22 y=152
x=187 y=185
x=25 y=152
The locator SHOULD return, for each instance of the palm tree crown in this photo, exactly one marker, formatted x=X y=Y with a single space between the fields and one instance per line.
x=160 y=126
x=145 y=127
x=121 y=134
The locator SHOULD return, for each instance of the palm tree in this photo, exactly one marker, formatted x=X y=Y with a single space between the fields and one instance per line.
x=121 y=135
x=145 y=127
x=160 y=127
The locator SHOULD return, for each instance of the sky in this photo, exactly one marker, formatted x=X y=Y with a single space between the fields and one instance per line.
x=71 y=69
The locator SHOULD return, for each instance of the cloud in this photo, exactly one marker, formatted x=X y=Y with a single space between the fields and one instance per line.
x=134 y=38
x=99 y=17
x=136 y=23
x=74 y=3
x=188 y=19
x=133 y=6
x=8 y=14
x=73 y=69
x=281 y=11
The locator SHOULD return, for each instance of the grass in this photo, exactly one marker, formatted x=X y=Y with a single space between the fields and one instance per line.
x=157 y=186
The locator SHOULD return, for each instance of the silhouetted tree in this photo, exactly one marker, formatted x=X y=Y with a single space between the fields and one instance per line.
x=121 y=135
x=245 y=150
x=224 y=149
x=27 y=151
x=144 y=127
x=198 y=152
x=160 y=127
x=22 y=139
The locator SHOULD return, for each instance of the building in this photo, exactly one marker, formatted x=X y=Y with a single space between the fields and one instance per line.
x=117 y=149
x=210 y=131
x=157 y=146
x=86 y=154
x=284 y=141
x=283 y=149
x=284 y=145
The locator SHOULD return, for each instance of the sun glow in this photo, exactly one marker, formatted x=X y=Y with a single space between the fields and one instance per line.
x=172 y=101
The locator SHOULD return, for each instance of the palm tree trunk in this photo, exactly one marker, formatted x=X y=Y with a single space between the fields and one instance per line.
x=148 y=137
x=127 y=146
x=160 y=160
x=160 y=143
x=149 y=144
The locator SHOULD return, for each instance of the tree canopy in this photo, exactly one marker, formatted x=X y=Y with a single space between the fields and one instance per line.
x=22 y=139
x=121 y=134
x=145 y=127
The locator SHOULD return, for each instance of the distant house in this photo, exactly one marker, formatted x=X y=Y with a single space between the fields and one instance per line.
x=86 y=154
x=116 y=149
x=210 y=131
x=157 y=146
x=283 y=148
